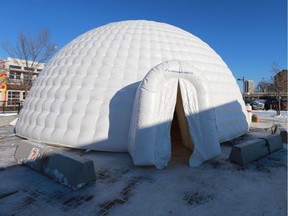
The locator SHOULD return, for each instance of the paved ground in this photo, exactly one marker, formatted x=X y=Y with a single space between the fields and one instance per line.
x=218 y=187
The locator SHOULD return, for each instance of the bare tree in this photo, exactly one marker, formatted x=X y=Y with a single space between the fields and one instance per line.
x=30 y=51
x=278 y=85
x=263 y=86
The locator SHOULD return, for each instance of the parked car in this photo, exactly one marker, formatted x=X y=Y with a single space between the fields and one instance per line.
x=284 y=104
x=262 y=101
x=256 y=105
x=272 y=103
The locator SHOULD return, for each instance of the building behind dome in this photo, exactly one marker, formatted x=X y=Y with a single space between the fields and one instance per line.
x=116 y=87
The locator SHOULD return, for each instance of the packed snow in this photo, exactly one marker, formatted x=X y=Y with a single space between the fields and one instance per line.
x=218 y=187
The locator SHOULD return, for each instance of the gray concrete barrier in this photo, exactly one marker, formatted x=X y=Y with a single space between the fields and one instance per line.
x=282 y=132
x=252 y=150
x=62 y=166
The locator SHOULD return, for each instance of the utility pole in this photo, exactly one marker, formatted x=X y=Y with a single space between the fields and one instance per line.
x=243 y=81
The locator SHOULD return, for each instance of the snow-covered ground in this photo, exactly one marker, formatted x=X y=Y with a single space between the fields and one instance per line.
x=218 y=187
x=270 y=117
x=8 y=114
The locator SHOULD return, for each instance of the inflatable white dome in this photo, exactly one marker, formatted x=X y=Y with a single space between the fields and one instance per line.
x=116 y=87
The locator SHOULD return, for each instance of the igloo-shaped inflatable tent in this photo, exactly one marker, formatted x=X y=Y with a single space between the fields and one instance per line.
x=116 y=87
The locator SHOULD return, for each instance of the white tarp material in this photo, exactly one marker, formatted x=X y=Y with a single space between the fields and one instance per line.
x=84 y=96
x=153 y=111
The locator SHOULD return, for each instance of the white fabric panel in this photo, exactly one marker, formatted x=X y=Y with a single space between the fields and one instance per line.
x=153 y=110
x=201 y=118
x=84 y=96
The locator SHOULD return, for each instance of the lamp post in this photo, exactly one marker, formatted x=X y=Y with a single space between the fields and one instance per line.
x=243 y=81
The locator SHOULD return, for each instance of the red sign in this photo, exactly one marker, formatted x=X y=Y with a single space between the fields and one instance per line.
x=33 y=154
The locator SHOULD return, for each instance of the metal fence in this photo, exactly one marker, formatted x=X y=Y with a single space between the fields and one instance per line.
x=12 y=106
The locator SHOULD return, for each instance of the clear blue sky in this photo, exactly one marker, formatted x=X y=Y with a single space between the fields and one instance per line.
x=250 y=35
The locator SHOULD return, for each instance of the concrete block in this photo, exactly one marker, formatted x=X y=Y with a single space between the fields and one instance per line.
x=67 y=168
x=252 y=150
x=248 y=151
x=283 y=133
x=274 y=142
x=75 y=171
x=31 y=154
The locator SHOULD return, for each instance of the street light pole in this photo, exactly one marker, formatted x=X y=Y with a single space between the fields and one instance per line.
x=243 y=81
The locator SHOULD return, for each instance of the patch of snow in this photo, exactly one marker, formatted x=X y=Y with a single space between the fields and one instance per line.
x=13 y=123
x=8 y=114
x=271 y=117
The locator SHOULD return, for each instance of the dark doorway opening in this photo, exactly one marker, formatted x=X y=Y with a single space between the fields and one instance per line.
x=181 y=142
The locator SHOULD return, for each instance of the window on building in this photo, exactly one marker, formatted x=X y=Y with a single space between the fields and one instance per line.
x=13 y=98
x=28 y=69
x=28 y=78
x=23 y=95
x=18 y=75
x=15 y=67
x=14 y=75
x=11 y=75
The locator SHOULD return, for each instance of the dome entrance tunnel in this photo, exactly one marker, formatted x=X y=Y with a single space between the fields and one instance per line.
x=162 y=91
